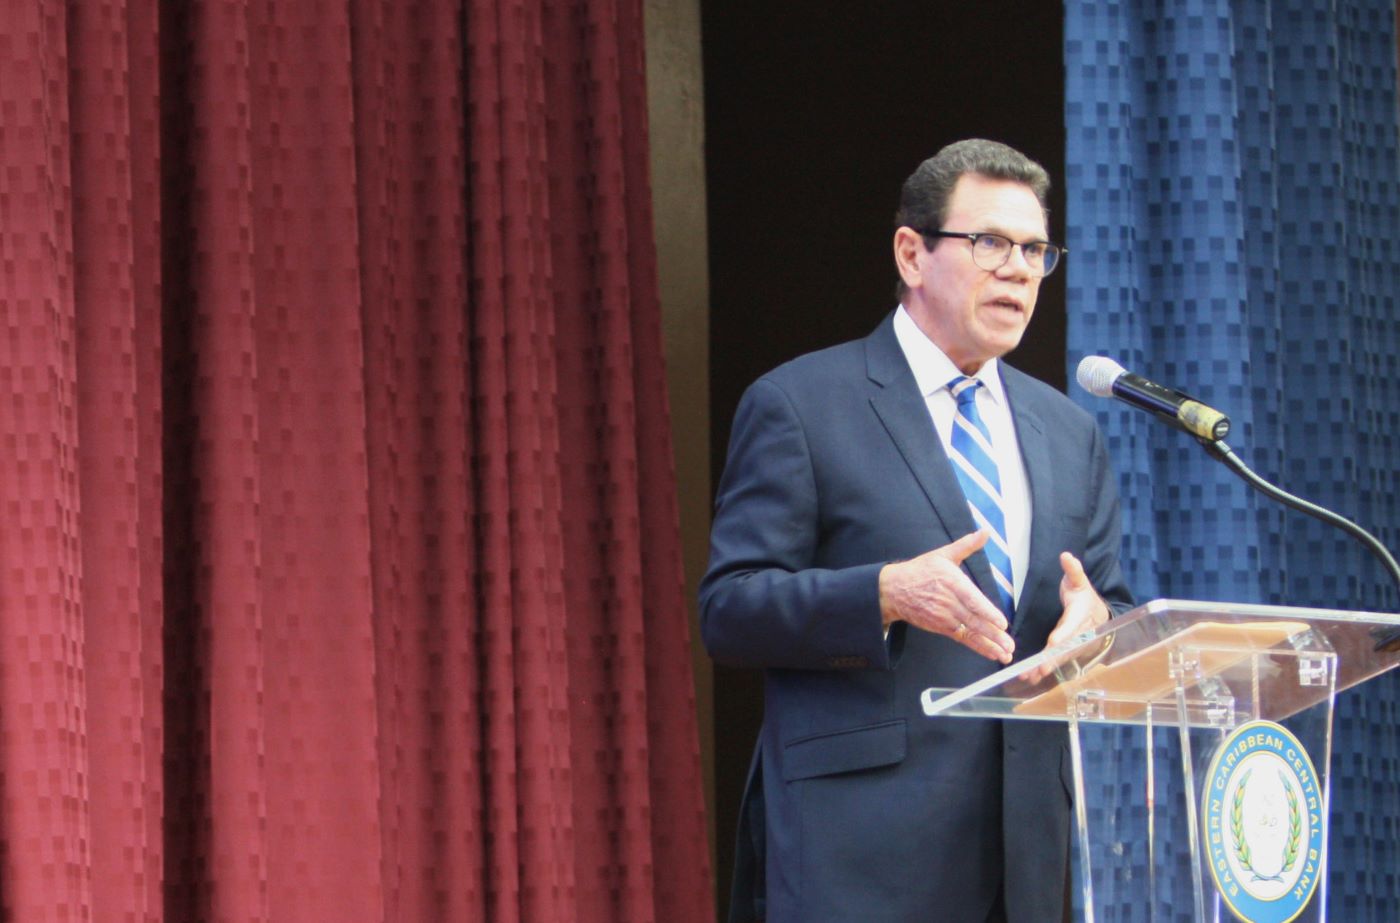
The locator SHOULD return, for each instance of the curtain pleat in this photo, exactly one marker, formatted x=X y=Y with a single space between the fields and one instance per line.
x=318 y=629
x=341 y=561
x=116 y=241
x=43 y=680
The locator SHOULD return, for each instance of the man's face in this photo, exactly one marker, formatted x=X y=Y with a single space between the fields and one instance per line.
x=973 y=314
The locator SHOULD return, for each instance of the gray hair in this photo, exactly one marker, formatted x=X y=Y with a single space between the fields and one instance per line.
x=923 y=200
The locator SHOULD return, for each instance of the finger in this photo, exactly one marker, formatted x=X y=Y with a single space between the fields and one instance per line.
x=992 y=644
x=1036 y=675
x=1074 y=621
x=959 y=550
x=1066 y=629
x=985 y=643
x=985 y=626
x=1074 y=572
x=1044 y=670
x=977 y=603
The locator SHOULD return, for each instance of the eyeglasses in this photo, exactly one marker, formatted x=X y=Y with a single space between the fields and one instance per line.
x=991 y=251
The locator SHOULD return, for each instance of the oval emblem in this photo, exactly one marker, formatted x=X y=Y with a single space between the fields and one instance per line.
x=1264 y=822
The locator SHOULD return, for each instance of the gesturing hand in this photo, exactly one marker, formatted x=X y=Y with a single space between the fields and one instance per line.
x=931 y=592
x=1084 y=609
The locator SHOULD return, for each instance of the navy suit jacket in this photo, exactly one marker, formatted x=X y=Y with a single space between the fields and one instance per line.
x=859 y=807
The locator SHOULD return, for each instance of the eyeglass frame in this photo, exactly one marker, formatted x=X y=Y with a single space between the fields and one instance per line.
x=1060 y=252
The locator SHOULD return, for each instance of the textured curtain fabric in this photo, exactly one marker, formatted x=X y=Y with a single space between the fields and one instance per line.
x=339 y=567
x=1234 y=214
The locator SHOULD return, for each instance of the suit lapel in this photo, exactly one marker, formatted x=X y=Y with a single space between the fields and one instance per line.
x=902 y=411
x=1036 y=456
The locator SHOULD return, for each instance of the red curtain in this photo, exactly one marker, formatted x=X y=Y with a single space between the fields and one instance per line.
x=339 y=568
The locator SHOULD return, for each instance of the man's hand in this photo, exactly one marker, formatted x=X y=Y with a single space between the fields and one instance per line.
x=1084 y=608
x=931 y=592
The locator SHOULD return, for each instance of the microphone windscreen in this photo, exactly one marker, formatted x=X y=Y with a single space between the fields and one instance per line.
x=1097 y=374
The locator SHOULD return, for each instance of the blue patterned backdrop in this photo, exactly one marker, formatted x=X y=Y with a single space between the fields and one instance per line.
x=1234 y=230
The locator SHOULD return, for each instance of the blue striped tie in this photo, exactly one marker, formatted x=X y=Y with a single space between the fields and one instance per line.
x=976 y=468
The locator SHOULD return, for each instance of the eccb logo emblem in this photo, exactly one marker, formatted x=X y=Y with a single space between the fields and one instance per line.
x=1264 y=823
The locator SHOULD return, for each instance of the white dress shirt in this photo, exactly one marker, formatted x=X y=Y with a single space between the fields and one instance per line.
x=932 y=371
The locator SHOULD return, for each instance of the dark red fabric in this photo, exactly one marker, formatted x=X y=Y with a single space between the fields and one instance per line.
x=339 y=566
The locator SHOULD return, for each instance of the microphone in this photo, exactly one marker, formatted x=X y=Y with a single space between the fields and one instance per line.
x=1102 y=376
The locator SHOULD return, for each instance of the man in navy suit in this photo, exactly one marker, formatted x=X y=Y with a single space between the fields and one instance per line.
x=848 y=562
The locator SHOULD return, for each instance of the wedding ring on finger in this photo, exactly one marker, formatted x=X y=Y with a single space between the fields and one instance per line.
x=959 y=631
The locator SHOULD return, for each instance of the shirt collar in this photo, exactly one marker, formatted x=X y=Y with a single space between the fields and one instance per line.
x=931 y=366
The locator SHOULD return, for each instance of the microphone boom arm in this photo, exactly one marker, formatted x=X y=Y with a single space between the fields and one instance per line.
x=1390 y=641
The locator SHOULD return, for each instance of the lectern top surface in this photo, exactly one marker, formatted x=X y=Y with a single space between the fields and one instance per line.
x=1214 y=664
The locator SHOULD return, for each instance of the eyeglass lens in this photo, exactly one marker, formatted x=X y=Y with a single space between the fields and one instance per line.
x=991 y=251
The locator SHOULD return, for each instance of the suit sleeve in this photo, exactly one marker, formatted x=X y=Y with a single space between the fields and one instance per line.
x=763 y=601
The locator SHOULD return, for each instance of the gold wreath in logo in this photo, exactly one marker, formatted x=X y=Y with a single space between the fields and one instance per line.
x=1295 y=830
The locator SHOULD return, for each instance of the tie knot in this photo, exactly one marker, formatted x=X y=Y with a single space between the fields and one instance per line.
x=964 y=389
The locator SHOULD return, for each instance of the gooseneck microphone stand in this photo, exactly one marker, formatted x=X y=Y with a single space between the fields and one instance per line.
x=1388 y=640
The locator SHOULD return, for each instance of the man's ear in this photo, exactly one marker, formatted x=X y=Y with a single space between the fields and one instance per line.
x=908 y=244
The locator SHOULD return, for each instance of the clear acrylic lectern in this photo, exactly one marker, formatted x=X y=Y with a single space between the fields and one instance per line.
x=1200 y=737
